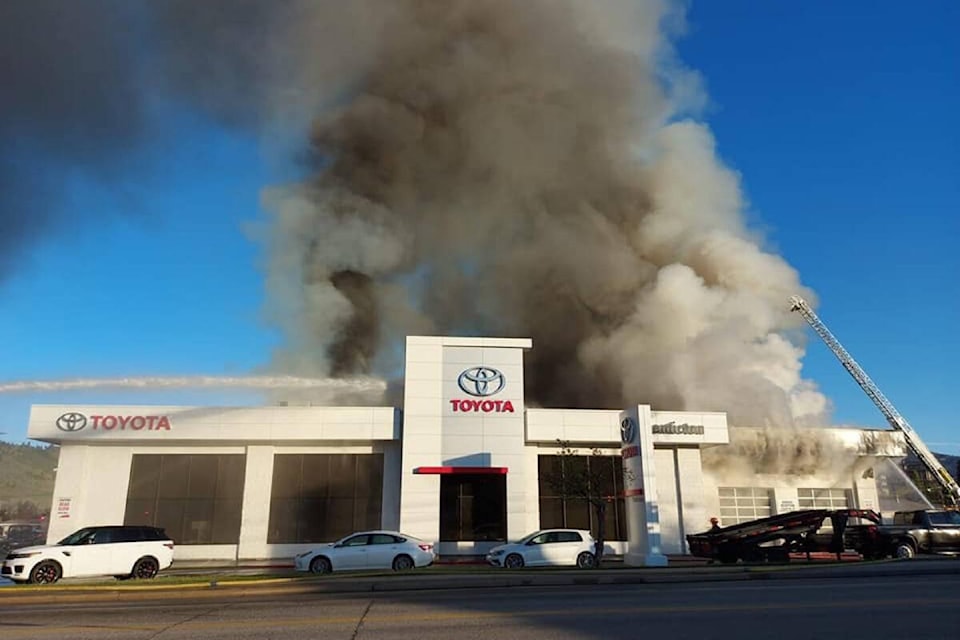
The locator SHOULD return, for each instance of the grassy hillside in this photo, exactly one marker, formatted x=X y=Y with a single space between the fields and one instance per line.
x=26 y=476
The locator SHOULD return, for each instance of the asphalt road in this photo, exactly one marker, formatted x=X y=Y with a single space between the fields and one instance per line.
x=915 y=607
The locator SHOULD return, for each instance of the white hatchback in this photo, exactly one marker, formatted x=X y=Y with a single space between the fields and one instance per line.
x=548 y=547
x=368 y=550
x=120 y=551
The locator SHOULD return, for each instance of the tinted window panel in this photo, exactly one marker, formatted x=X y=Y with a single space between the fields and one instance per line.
x=196 y=498
x=323 y=497
x=573 y=512
x=203 y=478
x=174 y=477
x=230 y=476
x=286 y=476
x=144 y=477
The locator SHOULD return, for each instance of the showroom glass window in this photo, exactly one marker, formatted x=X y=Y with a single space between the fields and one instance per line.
x=196 y=498
x=557 y=511
x=323 y=497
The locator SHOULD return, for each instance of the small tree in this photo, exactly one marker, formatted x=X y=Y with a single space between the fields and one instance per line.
x=589 y=478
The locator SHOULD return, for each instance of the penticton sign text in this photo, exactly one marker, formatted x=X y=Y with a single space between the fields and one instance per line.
x=681 y=429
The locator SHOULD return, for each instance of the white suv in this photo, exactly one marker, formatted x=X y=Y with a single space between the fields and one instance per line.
x=548 y=547
x=120 y=551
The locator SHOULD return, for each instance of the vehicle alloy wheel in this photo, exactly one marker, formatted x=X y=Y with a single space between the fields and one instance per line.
x=46 y=572
x=586 y=560
x=320 y=565
x=402 y=563
x=904 y=551
x=513 y=561
x=145 y=569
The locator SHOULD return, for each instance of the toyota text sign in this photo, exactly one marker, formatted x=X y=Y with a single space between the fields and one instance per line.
x=481 y=382
x=72 y=421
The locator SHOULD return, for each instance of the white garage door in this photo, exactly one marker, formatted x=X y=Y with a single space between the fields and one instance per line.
x=824 y=498
x=742 y=504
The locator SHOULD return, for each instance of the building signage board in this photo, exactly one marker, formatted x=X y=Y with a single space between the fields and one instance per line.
x=689 y=427
x=63 y=507
x=481 y=389
x=138 y=423
x=73 y=421
x=640 y=489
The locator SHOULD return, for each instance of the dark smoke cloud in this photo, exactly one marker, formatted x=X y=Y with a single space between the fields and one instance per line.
x=519 y=169
x=485 y=167
x=80 y=85
x=69 y=100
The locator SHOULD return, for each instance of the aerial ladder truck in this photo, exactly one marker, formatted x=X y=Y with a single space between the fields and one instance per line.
x=950 y=487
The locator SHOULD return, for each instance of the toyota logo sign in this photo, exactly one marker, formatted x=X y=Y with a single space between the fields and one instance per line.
x=481 y=381
x=71 y=422
x=628 y=430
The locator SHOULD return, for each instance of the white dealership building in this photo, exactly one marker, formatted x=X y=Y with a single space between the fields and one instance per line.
x=464 y=463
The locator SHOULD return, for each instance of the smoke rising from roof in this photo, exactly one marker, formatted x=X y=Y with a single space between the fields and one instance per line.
x=480 y=167
x=520 y=169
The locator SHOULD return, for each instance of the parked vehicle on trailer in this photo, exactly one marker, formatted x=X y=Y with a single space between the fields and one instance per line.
x=548 y=547
x=119 y=551
x=773 y=539
x=368 y=550
x=922 y=532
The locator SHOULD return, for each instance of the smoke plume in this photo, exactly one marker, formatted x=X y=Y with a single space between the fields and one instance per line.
x=69 y=103
x=479 y=167
x=523 y=169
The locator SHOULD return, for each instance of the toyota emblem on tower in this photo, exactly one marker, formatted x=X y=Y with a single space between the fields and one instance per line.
x=628 y=429
x=71 y=422
x=481 y=381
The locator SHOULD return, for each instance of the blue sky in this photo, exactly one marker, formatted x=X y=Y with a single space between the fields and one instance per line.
x=840 y=118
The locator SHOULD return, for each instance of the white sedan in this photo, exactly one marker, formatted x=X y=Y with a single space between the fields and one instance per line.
x=368 y=550
x=549 y=547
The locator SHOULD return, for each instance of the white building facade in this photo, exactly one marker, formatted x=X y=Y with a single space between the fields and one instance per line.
x=465 y=464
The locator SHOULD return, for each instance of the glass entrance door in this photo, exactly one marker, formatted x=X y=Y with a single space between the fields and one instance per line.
x=473 y=507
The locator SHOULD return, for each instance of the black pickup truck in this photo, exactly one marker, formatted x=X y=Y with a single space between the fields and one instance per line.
x=915 y=532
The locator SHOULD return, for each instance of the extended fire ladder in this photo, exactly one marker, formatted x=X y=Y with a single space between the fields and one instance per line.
x=897 y=421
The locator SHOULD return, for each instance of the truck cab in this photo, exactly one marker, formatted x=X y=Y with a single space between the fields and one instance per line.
x=927 y=532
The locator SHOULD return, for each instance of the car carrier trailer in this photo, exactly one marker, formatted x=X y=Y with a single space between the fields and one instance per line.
x=773 y=539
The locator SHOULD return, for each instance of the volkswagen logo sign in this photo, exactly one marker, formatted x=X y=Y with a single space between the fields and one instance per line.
x=481 y=381
x=628 y=430
x=71 y=422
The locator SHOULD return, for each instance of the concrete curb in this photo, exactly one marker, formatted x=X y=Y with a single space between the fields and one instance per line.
x=387 y=584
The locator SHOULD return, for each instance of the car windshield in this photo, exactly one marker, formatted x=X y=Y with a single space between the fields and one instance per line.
x=78 y=537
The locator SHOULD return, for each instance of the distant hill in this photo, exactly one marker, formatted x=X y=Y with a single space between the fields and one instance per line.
x=949 y=462
x=952 y=463
x=27 y=474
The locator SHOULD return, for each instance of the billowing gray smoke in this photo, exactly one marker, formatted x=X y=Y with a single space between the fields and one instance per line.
x=518 y=169
x=485 y=167
x=69 y=102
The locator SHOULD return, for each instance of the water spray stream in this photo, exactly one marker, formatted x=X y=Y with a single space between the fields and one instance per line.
x=198 y=382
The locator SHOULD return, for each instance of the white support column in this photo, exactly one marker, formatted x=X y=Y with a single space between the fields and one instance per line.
x=785 y=500
x=693 y=514
x=255 y=517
